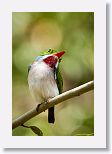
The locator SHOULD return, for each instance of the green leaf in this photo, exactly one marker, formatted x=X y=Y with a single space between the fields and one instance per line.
x=36 y=130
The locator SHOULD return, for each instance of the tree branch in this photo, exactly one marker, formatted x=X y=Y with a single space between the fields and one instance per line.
x=56 y=100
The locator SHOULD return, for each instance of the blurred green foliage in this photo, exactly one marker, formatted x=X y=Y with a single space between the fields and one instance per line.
x=33 y=32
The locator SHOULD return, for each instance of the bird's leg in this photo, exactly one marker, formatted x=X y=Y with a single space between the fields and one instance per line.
x=37 y=108
x=47 y=101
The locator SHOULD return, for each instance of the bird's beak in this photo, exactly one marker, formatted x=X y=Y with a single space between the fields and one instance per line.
x=59 y=54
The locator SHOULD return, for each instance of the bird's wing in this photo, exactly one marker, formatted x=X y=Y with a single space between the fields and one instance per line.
x=59 y=80
x=29 y=67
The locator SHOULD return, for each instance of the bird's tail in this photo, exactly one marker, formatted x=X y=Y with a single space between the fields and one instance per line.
x=51 y=117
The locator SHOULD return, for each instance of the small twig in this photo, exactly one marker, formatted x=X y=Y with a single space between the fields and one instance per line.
x=56 y=100
x=25 y=126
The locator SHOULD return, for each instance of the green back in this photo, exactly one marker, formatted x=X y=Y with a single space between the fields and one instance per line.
x=59 y=79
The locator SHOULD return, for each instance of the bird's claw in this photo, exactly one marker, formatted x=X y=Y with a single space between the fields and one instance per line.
x=37 y=108
x=47 y=101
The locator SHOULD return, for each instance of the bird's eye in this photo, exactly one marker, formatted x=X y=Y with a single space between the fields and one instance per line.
x=49 y=50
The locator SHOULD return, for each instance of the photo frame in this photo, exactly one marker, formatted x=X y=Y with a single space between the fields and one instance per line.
x=99 y=138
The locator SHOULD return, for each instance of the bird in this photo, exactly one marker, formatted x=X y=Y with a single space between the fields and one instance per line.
x=44 y=78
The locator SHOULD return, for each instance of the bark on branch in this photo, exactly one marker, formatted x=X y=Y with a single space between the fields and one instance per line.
x=56 y=100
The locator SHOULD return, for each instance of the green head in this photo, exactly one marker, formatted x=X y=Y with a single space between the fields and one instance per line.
x=49 y=51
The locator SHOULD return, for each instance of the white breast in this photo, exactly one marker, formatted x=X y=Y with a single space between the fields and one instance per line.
x=41 y=82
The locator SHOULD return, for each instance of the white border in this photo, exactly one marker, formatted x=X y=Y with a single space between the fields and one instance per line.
x=99 y=9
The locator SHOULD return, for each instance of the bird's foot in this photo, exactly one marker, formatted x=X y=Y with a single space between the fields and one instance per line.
x=37 y=108
x=47 y=101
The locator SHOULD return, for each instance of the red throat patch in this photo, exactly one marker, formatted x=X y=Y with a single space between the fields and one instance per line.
x=51 y=61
